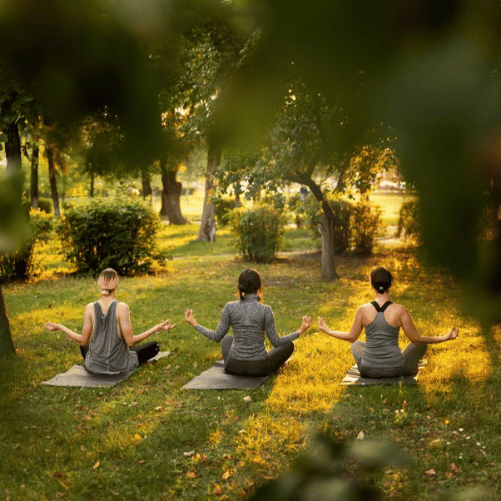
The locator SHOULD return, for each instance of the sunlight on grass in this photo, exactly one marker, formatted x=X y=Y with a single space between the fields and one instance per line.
x=71 y=443
x=260 y=435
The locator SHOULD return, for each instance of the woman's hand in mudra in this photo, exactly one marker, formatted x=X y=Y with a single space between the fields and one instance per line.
x=305 y=325
x=322 y=325
x=51 y=326
x=188 y=317
x=452 y=334
x=165 y=326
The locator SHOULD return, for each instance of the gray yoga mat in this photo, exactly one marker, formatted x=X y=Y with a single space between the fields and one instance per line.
x=79 y=376
x=353 y=377
x=216 y=379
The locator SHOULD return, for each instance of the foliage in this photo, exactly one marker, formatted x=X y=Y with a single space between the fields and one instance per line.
x=355 y=225
x=18 y=264
x=117 y=232
x=224 y=207
x=341 y=224
x=365 y=225
x=326 y=472
x=259 y=232
x=45 y=204
x=409 y=226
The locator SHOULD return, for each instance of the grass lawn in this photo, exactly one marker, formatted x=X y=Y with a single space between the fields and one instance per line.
x=147 y=439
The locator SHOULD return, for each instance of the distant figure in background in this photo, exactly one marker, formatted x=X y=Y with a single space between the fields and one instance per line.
x=380 y=355
x=245 y=353
x=107 y=343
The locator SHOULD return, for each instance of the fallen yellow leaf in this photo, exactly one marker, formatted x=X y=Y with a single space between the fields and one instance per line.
x=97 y=465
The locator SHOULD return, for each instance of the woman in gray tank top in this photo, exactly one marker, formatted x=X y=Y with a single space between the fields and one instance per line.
x=245 y=353
x=380 y=355
x=107 y=342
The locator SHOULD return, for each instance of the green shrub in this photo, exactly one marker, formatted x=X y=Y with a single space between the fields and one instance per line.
x=341 y=223
x=301 y=211
x=45 y=204
x=408 y=221
x=259 y=232
x=224 y=206
x=355 y=226
x=18 y=264
x=117 y=232
x=364 y=225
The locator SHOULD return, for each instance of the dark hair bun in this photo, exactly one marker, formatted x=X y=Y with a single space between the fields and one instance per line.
x=380 y=288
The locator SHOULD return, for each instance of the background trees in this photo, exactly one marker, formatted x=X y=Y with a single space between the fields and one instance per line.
x=424 y=69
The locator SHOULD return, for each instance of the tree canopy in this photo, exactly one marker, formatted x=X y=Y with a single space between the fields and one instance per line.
x=429 y=70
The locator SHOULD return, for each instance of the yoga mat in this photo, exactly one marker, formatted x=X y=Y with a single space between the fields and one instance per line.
x=216 y=379
x=353 y=377
x=79 y=376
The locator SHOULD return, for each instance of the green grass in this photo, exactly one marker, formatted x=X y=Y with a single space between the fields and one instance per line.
x=147 y=439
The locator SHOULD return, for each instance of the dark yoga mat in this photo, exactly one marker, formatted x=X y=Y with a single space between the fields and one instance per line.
x=216 y=379
x=353 y=377
x=79 y=376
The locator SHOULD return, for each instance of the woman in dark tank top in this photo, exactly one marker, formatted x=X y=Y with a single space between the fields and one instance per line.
x=380 y=355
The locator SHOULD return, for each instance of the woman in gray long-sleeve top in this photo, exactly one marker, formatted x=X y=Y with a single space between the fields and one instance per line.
x=244 y=353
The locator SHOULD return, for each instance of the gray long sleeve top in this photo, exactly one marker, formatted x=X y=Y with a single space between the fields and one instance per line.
x=249 y=319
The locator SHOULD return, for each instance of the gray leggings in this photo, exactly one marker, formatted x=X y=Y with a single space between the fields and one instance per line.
x=276 y=358
x=413 y=353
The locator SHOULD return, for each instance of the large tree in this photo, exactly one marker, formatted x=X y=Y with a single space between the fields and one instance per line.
x=214 y=52
x=307 y=144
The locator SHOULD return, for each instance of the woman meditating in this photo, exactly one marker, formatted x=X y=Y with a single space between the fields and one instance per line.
x=380 y=355
x=245 y=353
x=107 y=342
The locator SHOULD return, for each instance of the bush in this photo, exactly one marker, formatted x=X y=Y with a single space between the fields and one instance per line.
x=45 y=204
x=18 y=264
x=259 y=232
x=117 y=232
x=408 y=221
x=355 y=226
x=364 y=224
x=341 y=224
x=224 y=206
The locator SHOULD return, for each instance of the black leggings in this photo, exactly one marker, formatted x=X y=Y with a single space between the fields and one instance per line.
x=144 y=351
x=276 y=358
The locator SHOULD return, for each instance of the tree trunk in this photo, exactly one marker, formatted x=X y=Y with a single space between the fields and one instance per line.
x=326 y=228
x=92 y=178
x=53 y=183
x=13 y=154
x=207 y=230
x=35 y=154
x=327 y=235
x=171 y=196
x=146 y=182
x=6 y=344
x=13 y=149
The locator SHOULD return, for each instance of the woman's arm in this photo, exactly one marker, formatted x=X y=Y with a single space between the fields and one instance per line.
x=352 y=335
x=123 y=315
x=271 y=331
x=221 y=330
x=81 y=339
x=413 y=335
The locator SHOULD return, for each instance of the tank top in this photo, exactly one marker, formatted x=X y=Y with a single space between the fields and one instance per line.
x=108 y=352
x=381 y=345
